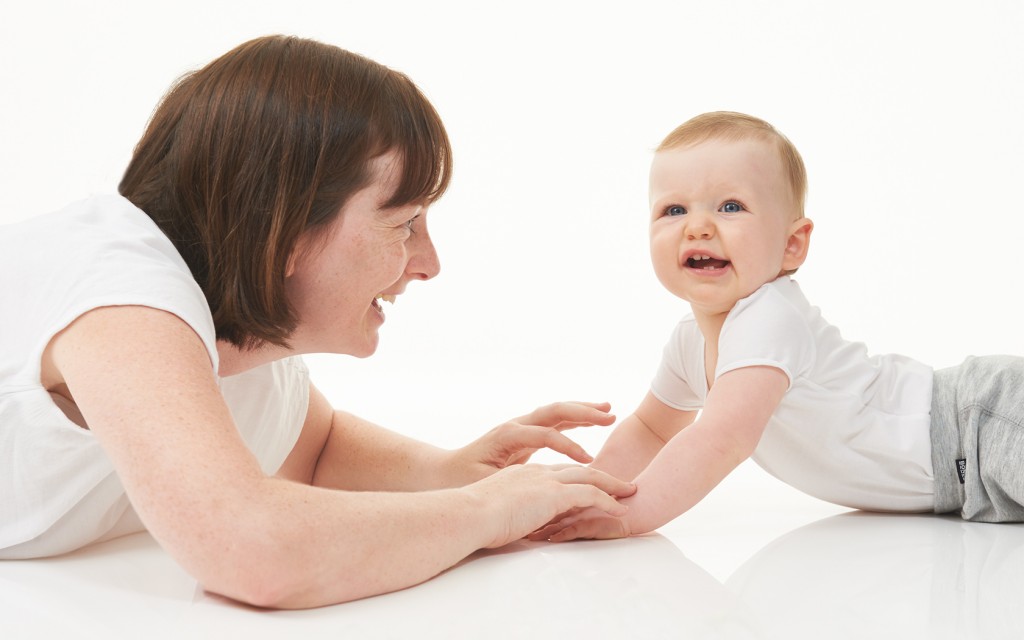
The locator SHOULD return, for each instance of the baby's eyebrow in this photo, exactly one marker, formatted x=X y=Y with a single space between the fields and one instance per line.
x=661 y=203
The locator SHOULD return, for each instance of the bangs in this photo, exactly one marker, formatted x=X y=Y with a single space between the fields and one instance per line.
x=413 y=128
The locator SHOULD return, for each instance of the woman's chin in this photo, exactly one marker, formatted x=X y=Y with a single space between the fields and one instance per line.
x=365 y=349
x=360 y=345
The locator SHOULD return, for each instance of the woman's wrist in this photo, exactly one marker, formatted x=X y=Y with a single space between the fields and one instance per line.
x=458 y=468
x=483 y=508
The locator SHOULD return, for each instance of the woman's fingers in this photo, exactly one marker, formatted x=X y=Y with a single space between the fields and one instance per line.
x=586 y=488
x=584 y=476
x=589 y=524
x=515 y=441
x=534 y=437
x=598 y=528
x=550 y=529
x=531 y=496
x=565 y=415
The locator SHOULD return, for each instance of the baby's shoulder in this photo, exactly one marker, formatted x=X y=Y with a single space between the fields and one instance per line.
x=780 y=299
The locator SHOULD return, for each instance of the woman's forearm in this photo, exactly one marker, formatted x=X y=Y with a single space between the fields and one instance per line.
x=298 y=546
x=290 y=545
x=362 y=456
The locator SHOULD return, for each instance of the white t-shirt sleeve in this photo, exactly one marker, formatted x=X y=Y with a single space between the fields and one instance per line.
x=679 y=381
x=765 y=329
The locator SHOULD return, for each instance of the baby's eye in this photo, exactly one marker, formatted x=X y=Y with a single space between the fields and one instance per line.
x=731 y=207
x=675 y=210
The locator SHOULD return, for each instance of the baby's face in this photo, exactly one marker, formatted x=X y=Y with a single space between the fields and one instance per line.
x=722 y=215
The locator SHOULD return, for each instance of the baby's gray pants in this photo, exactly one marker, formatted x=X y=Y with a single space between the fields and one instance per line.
x=977 y=436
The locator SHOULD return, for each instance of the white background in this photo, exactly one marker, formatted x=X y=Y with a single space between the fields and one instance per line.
x=908 y=115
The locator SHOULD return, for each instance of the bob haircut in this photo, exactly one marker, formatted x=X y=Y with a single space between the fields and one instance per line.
x=732 y=126
x=264 y=144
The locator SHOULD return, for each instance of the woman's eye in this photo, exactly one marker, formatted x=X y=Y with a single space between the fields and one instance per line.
x=731 y=207
x=675 y=210
x=411 y=221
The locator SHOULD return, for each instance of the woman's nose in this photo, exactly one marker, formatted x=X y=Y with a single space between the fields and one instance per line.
x=423 y=261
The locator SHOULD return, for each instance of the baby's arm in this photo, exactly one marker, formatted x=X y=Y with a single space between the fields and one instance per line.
x=699 y=457
x=638 y=438
x=694 y=461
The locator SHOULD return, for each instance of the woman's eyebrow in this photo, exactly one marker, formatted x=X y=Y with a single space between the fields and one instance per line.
x=400 y=212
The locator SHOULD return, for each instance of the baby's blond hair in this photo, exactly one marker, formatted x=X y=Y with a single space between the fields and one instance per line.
x=732 y=126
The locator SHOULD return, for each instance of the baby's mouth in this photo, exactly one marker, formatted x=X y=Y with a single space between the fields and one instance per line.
x=706 y=263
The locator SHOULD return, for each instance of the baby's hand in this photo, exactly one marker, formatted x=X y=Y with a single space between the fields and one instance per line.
x=585 y=524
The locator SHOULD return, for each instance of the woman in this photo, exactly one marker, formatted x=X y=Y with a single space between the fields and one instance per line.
x=150 y=373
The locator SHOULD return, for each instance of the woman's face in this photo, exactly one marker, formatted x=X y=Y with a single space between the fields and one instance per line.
x=336 y=280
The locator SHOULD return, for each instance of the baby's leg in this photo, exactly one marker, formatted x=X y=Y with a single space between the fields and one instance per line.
x=990 y=416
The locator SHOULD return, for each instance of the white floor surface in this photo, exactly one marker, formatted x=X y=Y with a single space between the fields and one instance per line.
x=755 y=560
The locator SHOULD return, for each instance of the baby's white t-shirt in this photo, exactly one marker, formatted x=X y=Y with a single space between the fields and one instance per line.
x=852 y=429
x=58 y=489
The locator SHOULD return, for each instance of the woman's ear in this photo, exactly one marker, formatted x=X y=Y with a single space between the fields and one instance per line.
x=797 y=244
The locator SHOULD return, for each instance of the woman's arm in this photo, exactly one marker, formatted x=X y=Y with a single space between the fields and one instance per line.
x=145 y=387
x=341 y=451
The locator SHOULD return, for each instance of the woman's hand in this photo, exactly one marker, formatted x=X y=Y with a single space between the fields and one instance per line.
x=583 y=524
x=516 y=440
x=528 y=496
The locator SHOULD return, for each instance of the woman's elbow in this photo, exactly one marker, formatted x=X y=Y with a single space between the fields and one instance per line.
x=269 y=587
x=268 y=574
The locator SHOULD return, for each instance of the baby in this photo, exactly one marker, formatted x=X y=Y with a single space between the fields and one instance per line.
x=755 y=371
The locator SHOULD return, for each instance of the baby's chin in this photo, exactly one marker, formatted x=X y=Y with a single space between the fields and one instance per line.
x=712 y=304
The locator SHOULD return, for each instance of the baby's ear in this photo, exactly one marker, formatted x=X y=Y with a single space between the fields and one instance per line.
x=797 y=244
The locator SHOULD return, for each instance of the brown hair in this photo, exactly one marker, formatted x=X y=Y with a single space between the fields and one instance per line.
x=263 y=144
x=732 y=126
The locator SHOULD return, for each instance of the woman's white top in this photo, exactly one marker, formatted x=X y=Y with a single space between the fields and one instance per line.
x=852 y=429
x=58 y=489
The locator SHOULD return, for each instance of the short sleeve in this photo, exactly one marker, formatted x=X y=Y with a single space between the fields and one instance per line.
x=765 y=329
x=100 y=252
x=679 y=381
